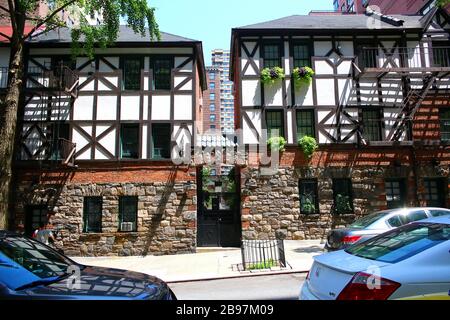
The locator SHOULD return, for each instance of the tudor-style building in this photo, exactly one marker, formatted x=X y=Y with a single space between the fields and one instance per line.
x=378 y=106
x=96 y=139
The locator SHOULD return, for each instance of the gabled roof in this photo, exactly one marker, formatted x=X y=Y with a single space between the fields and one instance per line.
x=126 y=35
x=333 y=22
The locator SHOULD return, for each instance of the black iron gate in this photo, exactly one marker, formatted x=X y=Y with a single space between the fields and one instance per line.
x=219 y=221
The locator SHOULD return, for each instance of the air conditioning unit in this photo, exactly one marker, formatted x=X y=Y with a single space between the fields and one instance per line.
x=126 y=226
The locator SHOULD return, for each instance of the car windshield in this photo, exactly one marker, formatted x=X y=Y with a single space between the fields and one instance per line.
x=366 y=221
x=402 y=243
x=40 y=261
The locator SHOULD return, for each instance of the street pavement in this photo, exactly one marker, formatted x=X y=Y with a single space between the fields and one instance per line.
x=274 y=287
x=208 y=263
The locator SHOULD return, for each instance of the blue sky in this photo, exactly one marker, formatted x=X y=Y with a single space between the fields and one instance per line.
x=211 y=21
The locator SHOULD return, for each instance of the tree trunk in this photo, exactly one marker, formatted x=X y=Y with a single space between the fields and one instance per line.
x=8 y=122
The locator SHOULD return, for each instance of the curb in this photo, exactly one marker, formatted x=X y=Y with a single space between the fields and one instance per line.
x=249 y=275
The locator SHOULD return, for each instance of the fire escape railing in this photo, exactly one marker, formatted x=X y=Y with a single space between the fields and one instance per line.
x=67 y=150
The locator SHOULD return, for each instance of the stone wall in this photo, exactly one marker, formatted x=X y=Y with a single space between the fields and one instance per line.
x=166 y=216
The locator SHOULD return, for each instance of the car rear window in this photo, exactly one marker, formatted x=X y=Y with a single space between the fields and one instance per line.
x=438 y=213
x=402 y=243
x=366 y=221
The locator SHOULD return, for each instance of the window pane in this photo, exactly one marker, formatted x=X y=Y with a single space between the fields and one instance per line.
x=371 y=120
x=435 y=191
x=161 y=139
x=272 y=56
x=92 y=214
x=305 y=123
x=129 y=139
x=395 y=193
x=132 y=73
x=128 y=212
x=274 y=121
x=162 y=74
x=342 y=191
x=308 y=196
x=302 y=56
x=444 y=116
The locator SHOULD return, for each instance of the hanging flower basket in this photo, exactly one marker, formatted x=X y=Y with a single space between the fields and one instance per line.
x=271 y=75
x=303 y=76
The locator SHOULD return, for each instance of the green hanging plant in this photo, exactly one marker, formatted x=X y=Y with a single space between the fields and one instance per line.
x=277 y=143
x=308 y=206
x=308 y=145
x=271 y=75
x=342 y=204
x=303 y=76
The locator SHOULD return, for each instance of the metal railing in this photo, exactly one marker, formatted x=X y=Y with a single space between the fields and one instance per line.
x=62 y=78
x=66 y=150
x=262 y=254
x=426 y=57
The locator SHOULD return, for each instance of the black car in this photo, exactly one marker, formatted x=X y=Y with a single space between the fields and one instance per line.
x=32 y=270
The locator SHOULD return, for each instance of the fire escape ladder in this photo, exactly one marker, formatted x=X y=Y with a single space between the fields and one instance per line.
x=409 y=107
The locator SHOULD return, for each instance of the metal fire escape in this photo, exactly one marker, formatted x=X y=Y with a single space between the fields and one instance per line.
x=422 y=72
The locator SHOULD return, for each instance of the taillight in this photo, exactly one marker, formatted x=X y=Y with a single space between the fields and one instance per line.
x=350 y=239
x=368 y=287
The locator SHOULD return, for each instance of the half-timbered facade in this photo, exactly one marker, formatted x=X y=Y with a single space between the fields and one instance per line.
x=96 y=142
x=377 y=107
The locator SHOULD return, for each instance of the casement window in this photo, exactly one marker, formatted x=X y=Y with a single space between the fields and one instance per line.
x=302 y=55
x=272 y=56
x=129 y=141
x=212 y=117
x=161 y=140
x=309 y=200
x=213 y=126
x=212 y=85
x=212 y=76
x=371 y=121
x=128 y=207
x=131 y=69
x=162 y=68
x=444 y=117
x=274 y=124
x=441 y=54
x=212 y=108
x=305 y=123
x=343 y=196
x=395 y=193
x=92 y=214
x=60 y=135
x=36 y=216
x=435 y=190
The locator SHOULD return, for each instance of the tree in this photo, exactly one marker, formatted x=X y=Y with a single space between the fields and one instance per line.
x=20 y=13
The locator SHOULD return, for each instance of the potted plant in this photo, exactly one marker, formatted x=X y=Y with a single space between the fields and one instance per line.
x=277 y=143
x=342 y=204
x=308 y=145
x=271 y=75
x=303 y=76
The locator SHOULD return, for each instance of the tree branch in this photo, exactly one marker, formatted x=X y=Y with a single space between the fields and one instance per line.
x=5 y=36
x=5 y=9
x=50 y=17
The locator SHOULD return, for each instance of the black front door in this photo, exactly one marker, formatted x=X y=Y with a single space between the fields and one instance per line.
x=219 y=221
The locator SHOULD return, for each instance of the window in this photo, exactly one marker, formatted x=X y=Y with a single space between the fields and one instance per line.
x=444 y=117
x=212 y=85
x=212 y=76
x=395 y=193
x=413 y=216
x=128 y=207
x=441 y=54
x=35 y=216
x=161 y=140
x=213 y=126
x=308 y=196
x=59 y=130
x=162 y=73
x=305 y=123
x=212 y=108
x=129 y=141
x=336 y=5
x=439 y=213
x=212 y=117
x=302 y=56
x=131 y=68
x=371 y=121
x=395 y=222
x=367 y=55
x=92 y=213
x=274 y=122
x=401 y=243
x=435 y=190
x=212 y=96
x=272 y=56
x=342 y=194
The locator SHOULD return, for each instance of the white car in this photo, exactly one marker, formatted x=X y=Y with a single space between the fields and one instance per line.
x=410 y=262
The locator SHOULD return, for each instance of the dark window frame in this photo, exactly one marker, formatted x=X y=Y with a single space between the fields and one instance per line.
x=123 y=128
x=122 y=214
x=272 y=62
x=311 y=128
x=282 y=128
x=444 y=117
x=348 y=193
x=395 y=204
x=308 y=59
x=162 y=86
x=86 y=215
x=167 y=150
x=134 y=85
x=302 y=186
x=372 y=135
x=441 y=188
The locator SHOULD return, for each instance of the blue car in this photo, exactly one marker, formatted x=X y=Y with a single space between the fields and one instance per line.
x=32 y=270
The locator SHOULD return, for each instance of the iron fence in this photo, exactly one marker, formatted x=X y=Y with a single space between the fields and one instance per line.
x=263 y=254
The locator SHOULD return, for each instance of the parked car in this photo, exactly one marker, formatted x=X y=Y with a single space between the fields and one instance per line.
x=410 y=262
x=376 y=223
x=32 y=270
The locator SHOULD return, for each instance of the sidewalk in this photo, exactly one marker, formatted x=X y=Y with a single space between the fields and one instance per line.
x=207 y=265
